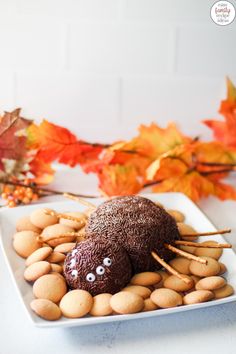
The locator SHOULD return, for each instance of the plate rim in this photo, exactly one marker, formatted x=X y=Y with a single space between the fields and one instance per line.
x=86 y=321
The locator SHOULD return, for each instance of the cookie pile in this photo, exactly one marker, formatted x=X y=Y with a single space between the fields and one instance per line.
x=37 y=241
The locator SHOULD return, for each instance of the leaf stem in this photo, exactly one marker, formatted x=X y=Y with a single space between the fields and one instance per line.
x=45 y=191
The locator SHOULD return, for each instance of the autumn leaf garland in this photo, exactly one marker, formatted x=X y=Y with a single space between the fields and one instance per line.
x=162 y=158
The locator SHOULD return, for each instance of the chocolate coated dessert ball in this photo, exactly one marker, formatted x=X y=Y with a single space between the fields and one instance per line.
x=139 y=225
x=97 y=266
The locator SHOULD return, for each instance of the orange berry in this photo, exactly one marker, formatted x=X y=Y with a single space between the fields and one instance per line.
x=35 y=196
x=22 y=190
x=27 y=181
x=11 y=204
x=16 y=193
x=26 y=200
x=6 y=189
x=4 y=195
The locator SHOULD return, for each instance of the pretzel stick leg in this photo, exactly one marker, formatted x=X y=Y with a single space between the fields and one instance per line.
x=65 y=216
x=211 y=233
x=80 y=200
x=42 y=238
x=199 y=244
x=185 y=254
x=169 y=268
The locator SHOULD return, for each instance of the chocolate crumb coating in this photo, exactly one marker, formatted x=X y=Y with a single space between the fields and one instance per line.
x=97 y=266
x=139 y=225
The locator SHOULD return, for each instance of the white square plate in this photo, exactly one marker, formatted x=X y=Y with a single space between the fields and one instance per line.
x=16 y=264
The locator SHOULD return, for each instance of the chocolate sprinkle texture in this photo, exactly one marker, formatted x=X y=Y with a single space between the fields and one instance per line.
x=138 y=225
x=97 y=266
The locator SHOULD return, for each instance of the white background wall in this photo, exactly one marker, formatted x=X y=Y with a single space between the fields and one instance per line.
x=102 y=67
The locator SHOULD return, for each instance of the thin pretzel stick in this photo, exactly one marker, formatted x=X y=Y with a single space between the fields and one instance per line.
x=80 y=200
x=169 y=268
x=225 y=231
x=194 y=244
x=65 y=216
x=42 y=238
x=185 y=254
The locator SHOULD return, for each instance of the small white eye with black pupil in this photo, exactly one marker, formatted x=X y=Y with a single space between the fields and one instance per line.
x=72 y=263
x=74 y=273
x=100 y=270
x=107 y=262
x=90 y=277
x=74 y=252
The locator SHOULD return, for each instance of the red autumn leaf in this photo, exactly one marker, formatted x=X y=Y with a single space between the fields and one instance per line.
x=57 y=143
x=225 y=131
x=12 y=142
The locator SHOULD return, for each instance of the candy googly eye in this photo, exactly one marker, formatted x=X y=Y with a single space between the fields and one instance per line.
x=100 y=270
x=74 y=252
x=107 y=262
x=74 y=273
x=72 y=263
x=90 y=277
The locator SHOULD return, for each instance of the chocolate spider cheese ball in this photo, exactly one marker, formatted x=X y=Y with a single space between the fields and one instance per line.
x=139 y=225
x=97 y=266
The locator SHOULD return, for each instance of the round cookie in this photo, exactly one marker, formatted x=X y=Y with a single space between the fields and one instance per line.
x=176 y=214
x=174 y=283
x=146 y=278
x=39 y=255
x=101 y=305
x=225 y=291
x=49 y=287
x=25 y=243
x=76 y=303
x=56 y=257
x=56 y=268
x=166 y=298
x=46 y=309
x=223 y=268
x=164 y=275
x=205 y=270
x=215 y=253
x=74 y=224
x=210 y=283
x=198 y=296
x=195 y=278
x=58 y=274
x=126 y=302
x=24 y=224
x=188 y=249
x=65 y=247
x=139 y=290
x=180 y=264
x=55 y=231
x=149 y=305
x=40 y=219
x=36 y=270
x=186 y=229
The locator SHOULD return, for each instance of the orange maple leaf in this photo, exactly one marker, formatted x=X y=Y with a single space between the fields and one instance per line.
x=119 y=180
x=225 y=131
x=57 y=143
x=153 y=140
x=193 y=169
x=42 y=171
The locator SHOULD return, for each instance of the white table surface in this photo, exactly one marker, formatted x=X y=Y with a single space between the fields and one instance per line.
x=211 y=330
